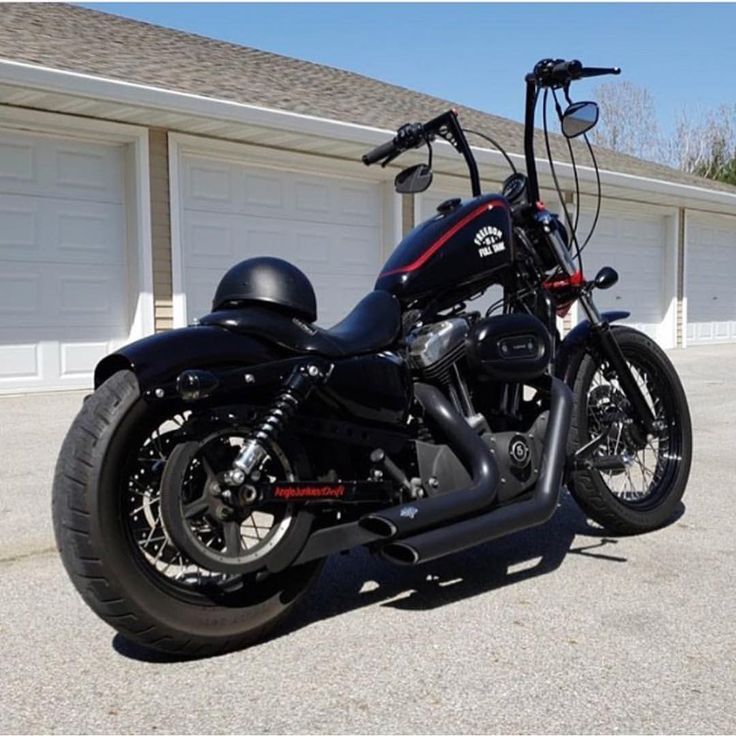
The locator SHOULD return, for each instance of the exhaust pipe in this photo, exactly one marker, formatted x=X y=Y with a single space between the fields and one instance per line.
x=473 y=453
x=499 y=522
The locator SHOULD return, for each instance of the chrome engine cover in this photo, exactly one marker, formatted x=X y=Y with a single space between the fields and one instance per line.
x=435 y=347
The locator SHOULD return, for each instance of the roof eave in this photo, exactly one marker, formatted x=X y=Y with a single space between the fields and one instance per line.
x=23 y=74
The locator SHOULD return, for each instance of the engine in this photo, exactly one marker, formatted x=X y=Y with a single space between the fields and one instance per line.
x=484 y=363
x=436 y=347
x=509 y=347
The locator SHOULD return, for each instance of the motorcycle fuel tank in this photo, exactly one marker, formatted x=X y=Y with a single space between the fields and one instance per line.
x=458 y=247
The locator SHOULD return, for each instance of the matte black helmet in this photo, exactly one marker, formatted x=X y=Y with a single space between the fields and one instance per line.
x=270 y=280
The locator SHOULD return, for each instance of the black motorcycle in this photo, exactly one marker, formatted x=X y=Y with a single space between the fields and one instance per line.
x=215 y=467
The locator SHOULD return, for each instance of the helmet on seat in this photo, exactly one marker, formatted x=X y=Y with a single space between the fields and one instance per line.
x=267 y=281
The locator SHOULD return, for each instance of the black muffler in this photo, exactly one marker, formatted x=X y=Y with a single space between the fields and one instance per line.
x=499 y=522
x=473 y=453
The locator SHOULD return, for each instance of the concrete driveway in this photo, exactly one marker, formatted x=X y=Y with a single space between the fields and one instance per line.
x=556 y=630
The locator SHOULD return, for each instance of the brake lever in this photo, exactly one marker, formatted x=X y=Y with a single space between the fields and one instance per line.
x=390 y=158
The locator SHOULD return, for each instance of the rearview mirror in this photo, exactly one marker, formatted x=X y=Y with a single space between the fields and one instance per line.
x=413 y=180
x=579 y=118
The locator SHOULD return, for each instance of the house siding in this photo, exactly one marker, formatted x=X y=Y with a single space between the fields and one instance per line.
x=161 y=228
x=407 y=213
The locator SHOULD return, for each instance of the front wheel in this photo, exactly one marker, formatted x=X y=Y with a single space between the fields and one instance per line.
x=119 y=554
x=643 y=491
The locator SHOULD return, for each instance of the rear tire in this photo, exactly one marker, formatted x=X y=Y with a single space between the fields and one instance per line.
x=97 y=553
x=615 y=514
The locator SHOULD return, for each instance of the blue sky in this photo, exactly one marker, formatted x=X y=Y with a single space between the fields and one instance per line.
x=477 y=54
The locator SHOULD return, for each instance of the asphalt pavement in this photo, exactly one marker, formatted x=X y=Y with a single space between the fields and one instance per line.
x=557 y=630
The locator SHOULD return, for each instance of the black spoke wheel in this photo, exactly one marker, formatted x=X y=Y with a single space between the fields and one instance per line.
x=118 y=553
x=643 y=491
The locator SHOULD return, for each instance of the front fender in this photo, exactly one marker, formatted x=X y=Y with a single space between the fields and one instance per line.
x=161 y=357
x=572 y=347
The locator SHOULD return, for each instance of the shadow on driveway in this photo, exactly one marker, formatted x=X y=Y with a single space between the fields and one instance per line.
x=359 y=579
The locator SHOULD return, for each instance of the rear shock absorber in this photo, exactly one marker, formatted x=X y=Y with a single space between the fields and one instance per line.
x=297 y=388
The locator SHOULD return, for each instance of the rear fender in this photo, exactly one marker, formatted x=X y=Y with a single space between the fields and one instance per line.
x=161 y=357
x=572 y=348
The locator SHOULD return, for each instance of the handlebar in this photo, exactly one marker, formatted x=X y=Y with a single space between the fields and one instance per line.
x=599 y=71
x=559 y=73
x=414 y=135
x=407 y=136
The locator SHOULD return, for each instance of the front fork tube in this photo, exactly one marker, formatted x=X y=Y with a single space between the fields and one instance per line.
x=611 y=351
x=606 y=339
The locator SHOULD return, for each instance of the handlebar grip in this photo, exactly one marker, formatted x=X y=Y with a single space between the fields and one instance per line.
x=380 y=152
x=566 y=70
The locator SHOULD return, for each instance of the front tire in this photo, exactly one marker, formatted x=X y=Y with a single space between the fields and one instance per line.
x=103 y=562
x=621 y=503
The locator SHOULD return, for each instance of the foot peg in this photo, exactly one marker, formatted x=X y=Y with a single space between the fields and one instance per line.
x=385 y=465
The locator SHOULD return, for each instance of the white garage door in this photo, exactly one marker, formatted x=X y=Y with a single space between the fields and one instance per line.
x=63 y=283
x=330 y=227
x=711 y=274
x=635 y=245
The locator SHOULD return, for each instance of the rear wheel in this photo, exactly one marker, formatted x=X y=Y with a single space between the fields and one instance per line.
x=107 y=520
x=644 y=493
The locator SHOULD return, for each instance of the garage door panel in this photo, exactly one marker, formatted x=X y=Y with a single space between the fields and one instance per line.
x=713 y=331
x=35 y=229
x=207 y=185
x=45 y=166
x=49 y=363
x=711 y=274
x=19 y=361
x=20 y=292
x=19 y=234
x=231 y=238
x=62 y=296
x=93 y=234
x=207 y=236
x=213 y=186
x=17 y=161
x=91 y=297
x=76 y=358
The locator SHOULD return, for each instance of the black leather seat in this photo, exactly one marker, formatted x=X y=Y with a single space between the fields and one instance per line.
x=372 y=325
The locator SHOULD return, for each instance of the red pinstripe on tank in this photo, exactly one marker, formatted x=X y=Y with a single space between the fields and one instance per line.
x=419 y=262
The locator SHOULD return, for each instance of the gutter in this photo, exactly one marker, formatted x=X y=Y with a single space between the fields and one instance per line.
x=44 y=78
